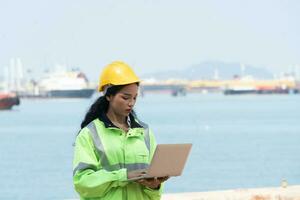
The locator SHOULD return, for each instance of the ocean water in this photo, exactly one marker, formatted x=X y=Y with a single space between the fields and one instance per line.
x=238 y=142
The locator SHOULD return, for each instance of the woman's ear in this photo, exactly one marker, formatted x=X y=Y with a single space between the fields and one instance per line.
x=108 y=98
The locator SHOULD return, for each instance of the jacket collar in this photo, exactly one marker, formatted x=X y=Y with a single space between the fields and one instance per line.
x=132 y=121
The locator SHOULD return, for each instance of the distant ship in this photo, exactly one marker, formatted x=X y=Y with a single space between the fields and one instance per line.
x=65 y=84
x=240 y=90
x=8 y=100
x=259 y=90
x=247 y=85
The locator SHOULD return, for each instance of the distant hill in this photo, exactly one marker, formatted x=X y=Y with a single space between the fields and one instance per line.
x=209 y=70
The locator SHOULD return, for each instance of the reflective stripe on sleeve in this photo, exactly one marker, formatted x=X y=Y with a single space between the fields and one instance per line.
x=82 y=166
x=129 y=167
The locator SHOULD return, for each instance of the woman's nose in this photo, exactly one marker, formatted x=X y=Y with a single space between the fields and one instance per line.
x=131 y=102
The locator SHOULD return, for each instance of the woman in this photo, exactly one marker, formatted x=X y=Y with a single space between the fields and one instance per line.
x=112 y=143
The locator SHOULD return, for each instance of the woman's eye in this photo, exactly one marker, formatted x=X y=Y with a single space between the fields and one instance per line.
x=125 y=98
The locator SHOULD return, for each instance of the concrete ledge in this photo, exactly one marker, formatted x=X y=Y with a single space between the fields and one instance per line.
x=279 y=193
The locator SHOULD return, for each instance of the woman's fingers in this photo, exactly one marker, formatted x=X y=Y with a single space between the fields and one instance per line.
x=152 y=183
x=134 y=174
x=163 y=179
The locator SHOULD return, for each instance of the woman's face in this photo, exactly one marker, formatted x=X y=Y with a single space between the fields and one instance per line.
x=123 y=102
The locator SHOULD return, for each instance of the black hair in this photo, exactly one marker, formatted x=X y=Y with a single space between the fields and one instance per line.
x=100 y=105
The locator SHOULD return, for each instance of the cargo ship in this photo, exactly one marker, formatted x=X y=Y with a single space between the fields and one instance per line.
x=65 y=84
x=260 y=90
x=251 y=86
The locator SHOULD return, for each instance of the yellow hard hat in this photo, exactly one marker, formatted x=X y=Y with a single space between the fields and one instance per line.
x=117 y=73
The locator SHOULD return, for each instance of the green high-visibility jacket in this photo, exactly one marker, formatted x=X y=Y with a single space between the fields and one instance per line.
x=103 y=156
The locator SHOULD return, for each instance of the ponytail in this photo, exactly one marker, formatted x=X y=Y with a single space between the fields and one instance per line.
x=99 y=106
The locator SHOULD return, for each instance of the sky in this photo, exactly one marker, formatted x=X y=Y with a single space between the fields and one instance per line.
x=150 y=35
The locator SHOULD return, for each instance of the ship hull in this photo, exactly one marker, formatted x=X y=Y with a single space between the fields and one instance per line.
x=83 y=93
x=231 y=92
x=7 y=102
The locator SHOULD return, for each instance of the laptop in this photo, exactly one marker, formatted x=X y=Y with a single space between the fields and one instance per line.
x=168 y=160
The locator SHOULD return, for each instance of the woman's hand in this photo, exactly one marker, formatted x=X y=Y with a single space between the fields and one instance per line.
x=135 y=173
x=153 y=183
